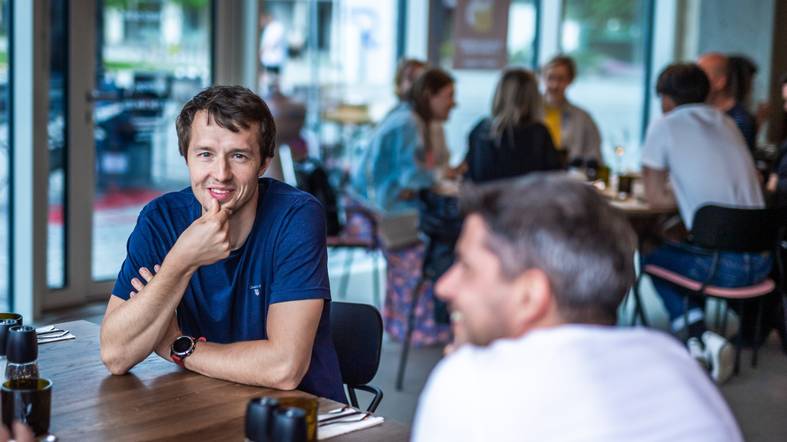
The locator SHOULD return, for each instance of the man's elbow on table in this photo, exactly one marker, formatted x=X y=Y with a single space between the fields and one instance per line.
x=113 y=360
x=114 y=356
x=289 y=375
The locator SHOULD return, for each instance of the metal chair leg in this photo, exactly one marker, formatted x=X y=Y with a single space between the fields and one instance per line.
x=409 y=333
x=757 y=332
x=717 y=321
x=738 y=341
x=353 y=396
x=724 y=316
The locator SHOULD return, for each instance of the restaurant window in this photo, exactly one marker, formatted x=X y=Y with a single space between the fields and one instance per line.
x=607 y=39
x=330 y=55
x=5 y=157
x=152 y=56
x=56 y=129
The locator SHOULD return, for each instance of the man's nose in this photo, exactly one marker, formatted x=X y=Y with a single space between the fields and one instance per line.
x=221 y=169
x=444 y=286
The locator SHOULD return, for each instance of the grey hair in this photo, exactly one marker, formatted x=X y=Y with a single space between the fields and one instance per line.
x=563 y=227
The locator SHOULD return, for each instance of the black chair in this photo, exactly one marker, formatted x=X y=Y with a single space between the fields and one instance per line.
x=357 y=331
x=723 y=229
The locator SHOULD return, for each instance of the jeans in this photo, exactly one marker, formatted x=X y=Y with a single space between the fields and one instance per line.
x=733 y=270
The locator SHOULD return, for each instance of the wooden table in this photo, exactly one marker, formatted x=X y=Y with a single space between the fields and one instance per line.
x=156 y=401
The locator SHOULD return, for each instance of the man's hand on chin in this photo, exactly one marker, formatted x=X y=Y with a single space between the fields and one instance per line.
x=206 y=240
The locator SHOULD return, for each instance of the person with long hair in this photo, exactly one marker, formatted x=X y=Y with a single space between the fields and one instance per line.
x=407 y=151
x=514 y=141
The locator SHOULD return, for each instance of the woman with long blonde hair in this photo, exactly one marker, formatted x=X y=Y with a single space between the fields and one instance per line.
x=514 y=140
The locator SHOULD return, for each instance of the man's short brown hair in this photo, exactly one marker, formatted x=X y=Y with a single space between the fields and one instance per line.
x=233 y=108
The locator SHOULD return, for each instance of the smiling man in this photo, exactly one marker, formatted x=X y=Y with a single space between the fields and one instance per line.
x=541 y=267
x=228 y=277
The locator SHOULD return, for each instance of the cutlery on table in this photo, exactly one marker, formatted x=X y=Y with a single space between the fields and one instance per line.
x=355 y=417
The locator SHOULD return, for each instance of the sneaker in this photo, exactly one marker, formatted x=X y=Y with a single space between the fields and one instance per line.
x=721 y=355
x=697 y=351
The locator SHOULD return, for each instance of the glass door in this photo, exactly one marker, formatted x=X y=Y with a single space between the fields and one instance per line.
x=5 y=154
x=151 y=57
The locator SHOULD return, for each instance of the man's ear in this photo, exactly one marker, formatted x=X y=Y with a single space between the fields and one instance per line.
x=533 y=302
x=264 y=166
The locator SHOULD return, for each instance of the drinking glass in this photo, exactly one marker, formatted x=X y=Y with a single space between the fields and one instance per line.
x=28 y=401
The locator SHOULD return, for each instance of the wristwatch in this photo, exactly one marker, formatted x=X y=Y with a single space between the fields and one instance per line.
x=182 y=347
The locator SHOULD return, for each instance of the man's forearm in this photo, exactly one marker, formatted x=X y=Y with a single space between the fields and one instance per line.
x=260 y=363
x=663 y=198
x=132 y=330
x=657 y=191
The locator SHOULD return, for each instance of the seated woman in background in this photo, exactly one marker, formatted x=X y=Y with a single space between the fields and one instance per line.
x=514 y=141
x=573 y=131
x=407 y=153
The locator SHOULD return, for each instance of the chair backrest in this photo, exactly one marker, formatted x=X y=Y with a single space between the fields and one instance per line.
x=357 y=331
x=736 y=229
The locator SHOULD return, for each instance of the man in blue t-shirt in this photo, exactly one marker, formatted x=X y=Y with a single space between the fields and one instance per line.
x=227 y=278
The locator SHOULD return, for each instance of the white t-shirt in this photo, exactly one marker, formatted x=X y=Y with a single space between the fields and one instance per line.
x=706 y=157
x=574 y=383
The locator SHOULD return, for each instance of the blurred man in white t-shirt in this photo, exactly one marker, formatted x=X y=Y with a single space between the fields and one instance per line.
x=700 y=152
x=542 y=264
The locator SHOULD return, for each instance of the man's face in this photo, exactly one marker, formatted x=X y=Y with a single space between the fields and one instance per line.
x=223 y=165
x=557 y=78
x=475 y=288
x=442 y=102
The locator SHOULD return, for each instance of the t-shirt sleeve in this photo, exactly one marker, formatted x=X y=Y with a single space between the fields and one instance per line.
x=654 y=151
x=300 y=262
x=140 y=252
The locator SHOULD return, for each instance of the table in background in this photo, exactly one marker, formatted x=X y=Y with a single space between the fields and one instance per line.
x=157 y=400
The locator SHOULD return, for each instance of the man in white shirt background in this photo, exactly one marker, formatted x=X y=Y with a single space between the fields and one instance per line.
x=542 y=264
x=698 y=151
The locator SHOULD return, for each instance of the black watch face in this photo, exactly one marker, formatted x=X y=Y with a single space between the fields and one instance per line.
x=182 y=344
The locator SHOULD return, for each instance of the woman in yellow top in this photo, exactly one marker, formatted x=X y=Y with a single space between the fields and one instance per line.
x=573 y=130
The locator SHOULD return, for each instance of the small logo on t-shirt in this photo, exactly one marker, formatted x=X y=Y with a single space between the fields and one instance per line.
x=256 y=289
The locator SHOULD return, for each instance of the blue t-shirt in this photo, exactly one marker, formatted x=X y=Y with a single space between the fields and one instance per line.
x=283 y=259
